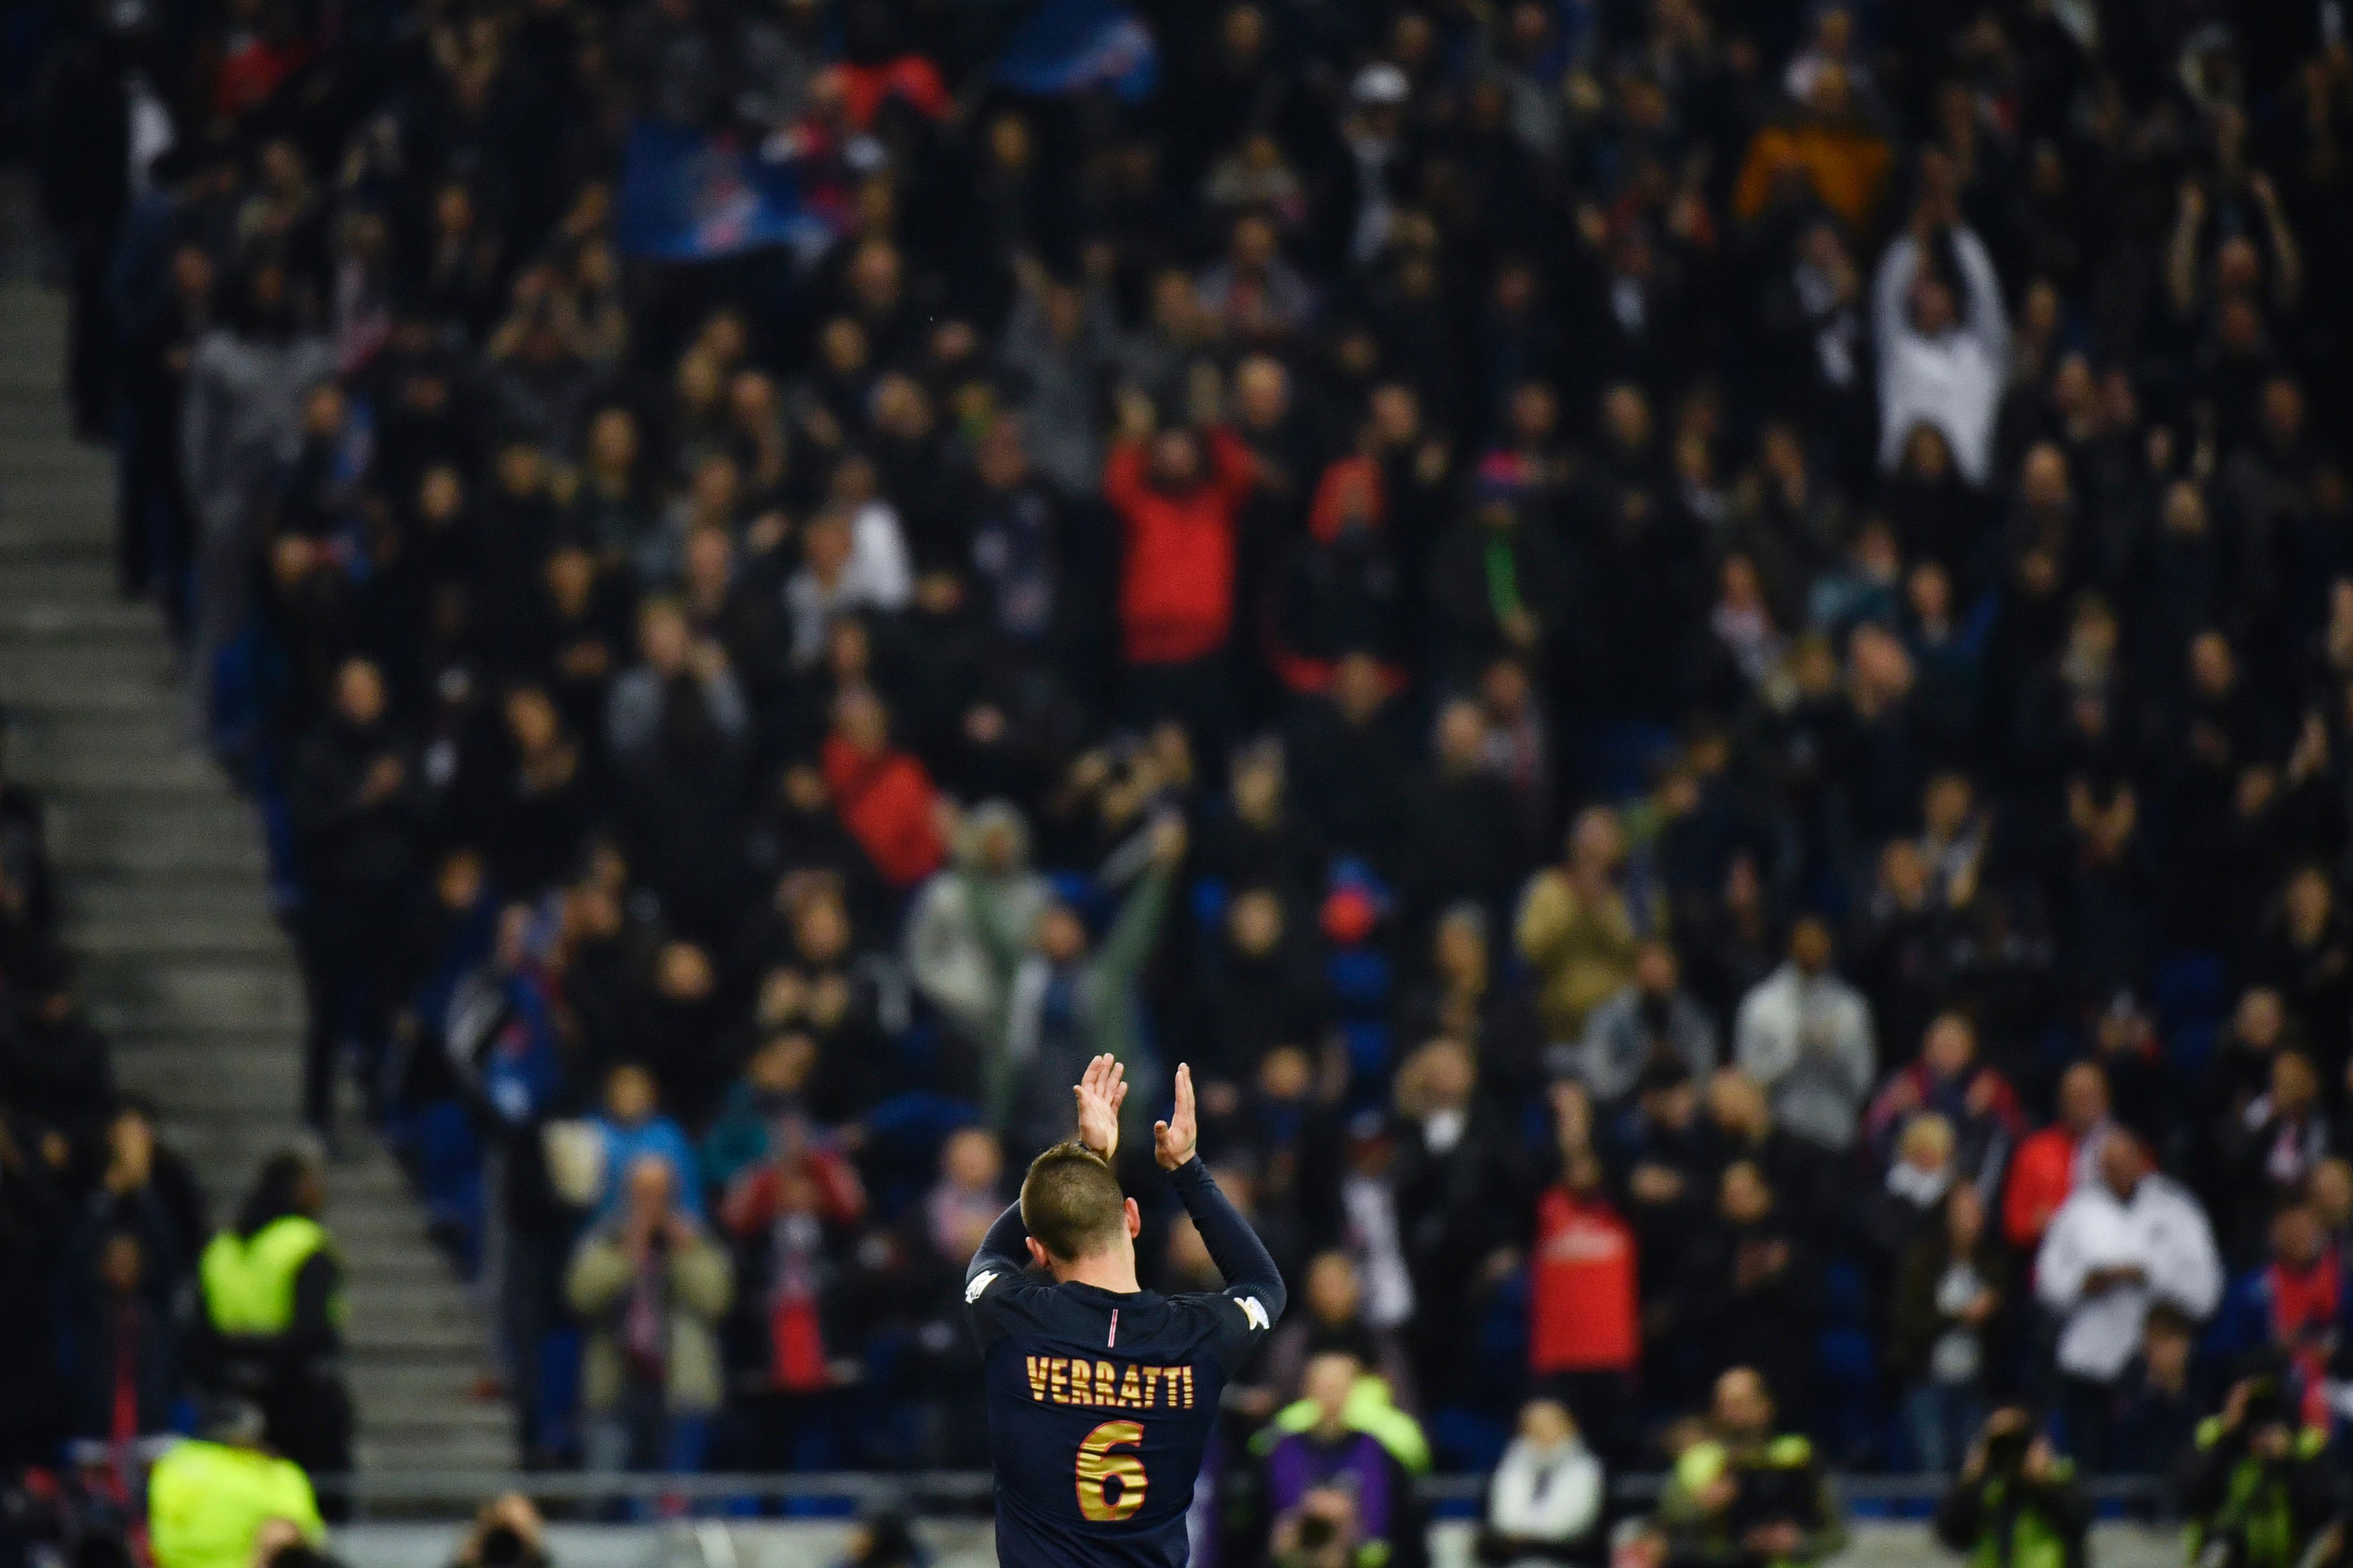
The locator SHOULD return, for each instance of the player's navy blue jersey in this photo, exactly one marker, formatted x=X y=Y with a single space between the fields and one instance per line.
x=1100 y=1402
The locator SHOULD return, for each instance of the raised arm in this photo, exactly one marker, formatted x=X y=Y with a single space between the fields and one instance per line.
x=1100 y=1091
x=1248 y=1269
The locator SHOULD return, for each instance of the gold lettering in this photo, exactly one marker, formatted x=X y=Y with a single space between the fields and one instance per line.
x=1037 y=1377
x=1082 y=1383
x=1188 y=1388
x=1106 y=1384
x=1058 y=1373
x=1151 y=1387
x=1130 y=1395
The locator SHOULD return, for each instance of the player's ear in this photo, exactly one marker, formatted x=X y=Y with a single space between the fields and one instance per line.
x=1038 y=1251
x=1135 y=1220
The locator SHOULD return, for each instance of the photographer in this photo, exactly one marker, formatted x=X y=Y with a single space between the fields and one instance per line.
x=2256 y=1491
x=1743 y=1498
x=507 y=1533
x=2016 y=1503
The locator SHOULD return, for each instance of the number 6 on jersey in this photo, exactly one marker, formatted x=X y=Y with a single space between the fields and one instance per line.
x=1098 y=1464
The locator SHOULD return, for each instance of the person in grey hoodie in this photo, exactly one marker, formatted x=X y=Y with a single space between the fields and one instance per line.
x=972 y=922
x=247 y=381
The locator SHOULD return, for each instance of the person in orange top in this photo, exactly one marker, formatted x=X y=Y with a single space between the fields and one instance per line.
x=2050 y=1162
x=1828 y=146
x=884 y=796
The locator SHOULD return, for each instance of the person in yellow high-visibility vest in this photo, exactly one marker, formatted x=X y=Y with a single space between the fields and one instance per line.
x=273 y=1290
x=210 y=1499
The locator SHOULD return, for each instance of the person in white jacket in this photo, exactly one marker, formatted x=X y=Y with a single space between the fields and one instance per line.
x=2117 y=1246
x=1942 y=361
x=1805 y=1035
x=1543 y=1502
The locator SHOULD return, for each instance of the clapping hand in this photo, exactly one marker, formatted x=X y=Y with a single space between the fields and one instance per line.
x=1173 y=1140
x=1101 y=1090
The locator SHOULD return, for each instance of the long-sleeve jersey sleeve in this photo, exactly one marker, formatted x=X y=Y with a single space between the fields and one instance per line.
x=1253 y=1284
x=1001 y=1254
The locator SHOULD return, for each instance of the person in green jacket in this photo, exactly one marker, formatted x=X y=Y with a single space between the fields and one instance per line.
x=2257 y=1489
x=1071 y=1004
x=2016 y=1503
x=1744 y=1498
x=210 y=1499
x=273 y=1298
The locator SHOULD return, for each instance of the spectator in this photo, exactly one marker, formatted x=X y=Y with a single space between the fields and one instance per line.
x=1805 y=1035
x=2118 y=1245
x=1177 y=505
x=2159 y=1401
x=355 y=814
x=1072 y=1001
x=1333 y=1300
x=974 y=920
x=2056 y=1160
x=2288 y=1313
x=1744 y=1495
x=1579 y=927
x=1944 y=1349
x=1544 y=1500
x=1949 y=1081
x=124 y=1351
x=651 y=1285
x=1943 y=336
x=885 y=798
x=631 y=1128
x=1584 y=1330
x=1652 y=1018
x=2016 y=1498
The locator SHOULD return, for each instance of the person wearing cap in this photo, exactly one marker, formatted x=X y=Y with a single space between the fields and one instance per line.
x=210 y=1499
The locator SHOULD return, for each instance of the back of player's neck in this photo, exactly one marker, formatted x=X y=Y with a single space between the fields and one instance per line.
x=1104 y=1273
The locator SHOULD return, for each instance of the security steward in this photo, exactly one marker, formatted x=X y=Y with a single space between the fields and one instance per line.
x=210 y=1500
x=273 y=1291
x=1744 y=1498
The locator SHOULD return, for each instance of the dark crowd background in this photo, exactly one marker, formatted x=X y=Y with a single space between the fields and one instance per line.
x=1695 y=650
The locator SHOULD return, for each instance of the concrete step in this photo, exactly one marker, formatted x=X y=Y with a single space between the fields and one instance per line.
x=42 y=625
x=145 y=730
x=260 y=993
x=77 y=580
x=395 y=1415
x=93 y=772
x=167 y=938
x=98 y=899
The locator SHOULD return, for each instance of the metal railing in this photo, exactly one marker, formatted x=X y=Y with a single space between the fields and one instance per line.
x=410 y=1493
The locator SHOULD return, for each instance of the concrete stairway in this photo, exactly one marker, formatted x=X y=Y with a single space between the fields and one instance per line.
x=167 y=908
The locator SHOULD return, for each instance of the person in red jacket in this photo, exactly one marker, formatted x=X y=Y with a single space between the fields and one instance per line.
x=1584 y=1308
x=2050 y=1162
x=884 y=796
x=1178 y=496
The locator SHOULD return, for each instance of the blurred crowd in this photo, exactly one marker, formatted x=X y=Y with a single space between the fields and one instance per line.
x=1696 y=651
